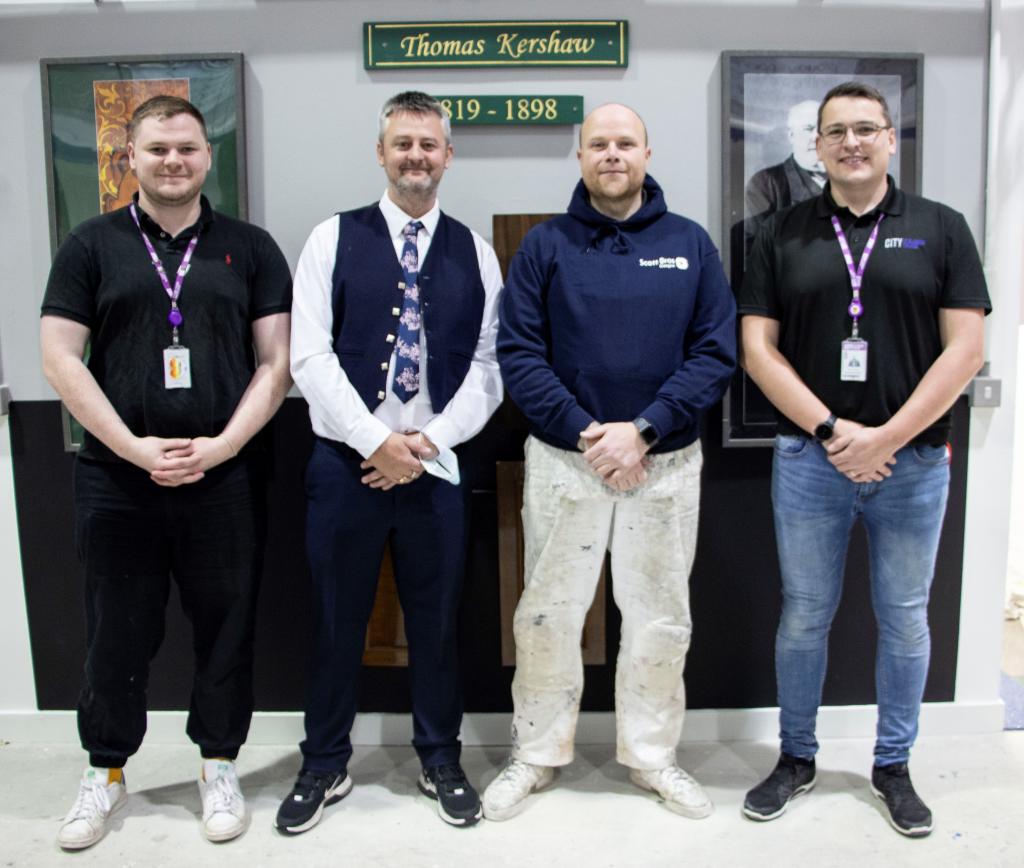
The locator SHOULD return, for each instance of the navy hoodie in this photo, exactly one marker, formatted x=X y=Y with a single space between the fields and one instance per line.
x=606 y=320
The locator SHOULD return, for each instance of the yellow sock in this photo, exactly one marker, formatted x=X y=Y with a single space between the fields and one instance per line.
x=114 y=776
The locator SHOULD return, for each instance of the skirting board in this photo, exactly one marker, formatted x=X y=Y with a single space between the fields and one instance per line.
x=748 y=724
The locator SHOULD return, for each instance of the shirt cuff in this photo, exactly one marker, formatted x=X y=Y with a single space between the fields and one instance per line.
x=442 y=432
x=367 y=435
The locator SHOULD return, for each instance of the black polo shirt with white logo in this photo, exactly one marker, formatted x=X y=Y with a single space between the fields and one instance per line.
x=924 y=259
x=102 y=277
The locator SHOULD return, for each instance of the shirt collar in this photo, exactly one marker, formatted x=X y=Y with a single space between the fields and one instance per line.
x=154 y=228
x=397 y=219
x=891 y=204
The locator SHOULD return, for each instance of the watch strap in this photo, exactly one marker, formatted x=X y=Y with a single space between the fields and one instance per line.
x=646 y=431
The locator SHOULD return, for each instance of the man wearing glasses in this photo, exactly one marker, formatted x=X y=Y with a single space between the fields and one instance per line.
x=863 y=316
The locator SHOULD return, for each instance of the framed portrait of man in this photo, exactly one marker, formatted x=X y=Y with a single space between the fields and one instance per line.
x=87 y=102
x=769 y=132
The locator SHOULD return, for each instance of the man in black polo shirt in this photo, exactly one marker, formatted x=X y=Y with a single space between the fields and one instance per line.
x=863 y=315
x=171 y=299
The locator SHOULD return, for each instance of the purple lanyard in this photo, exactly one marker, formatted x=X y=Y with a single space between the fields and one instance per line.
x=856 y=308
x=174 y=317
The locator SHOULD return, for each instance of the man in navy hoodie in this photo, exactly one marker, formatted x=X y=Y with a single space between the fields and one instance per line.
x=617 y=332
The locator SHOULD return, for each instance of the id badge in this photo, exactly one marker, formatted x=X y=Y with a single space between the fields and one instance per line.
x=177 y=370
x=853 y=366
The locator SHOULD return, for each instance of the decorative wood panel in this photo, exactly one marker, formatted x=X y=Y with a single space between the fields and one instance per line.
x=509 y=231
x=386 y=644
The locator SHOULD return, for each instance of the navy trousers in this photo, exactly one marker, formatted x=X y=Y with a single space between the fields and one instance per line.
x=347 y=526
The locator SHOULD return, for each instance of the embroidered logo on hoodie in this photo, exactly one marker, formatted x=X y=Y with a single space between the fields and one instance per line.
x=679 y=262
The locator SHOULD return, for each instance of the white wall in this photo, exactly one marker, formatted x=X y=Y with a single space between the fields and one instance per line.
x=311 y=112
x=17 y=688
x=1005 y=251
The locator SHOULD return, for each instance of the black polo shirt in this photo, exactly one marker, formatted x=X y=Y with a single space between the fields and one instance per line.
x=102 y=277
x=924 y=259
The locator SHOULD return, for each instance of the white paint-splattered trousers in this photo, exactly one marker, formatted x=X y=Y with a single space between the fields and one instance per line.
x=570 y=518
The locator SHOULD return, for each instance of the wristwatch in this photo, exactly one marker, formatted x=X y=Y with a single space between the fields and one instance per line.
x=646 y=430
x=826 y=429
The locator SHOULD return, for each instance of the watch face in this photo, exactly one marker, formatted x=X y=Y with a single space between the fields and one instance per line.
x=824 y=431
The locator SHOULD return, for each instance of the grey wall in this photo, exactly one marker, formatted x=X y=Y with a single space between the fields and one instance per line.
x=311 y=108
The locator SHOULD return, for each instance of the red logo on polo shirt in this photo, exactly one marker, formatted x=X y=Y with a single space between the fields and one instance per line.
x=227 y=258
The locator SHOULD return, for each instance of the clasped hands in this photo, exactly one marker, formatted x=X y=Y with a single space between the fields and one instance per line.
x=174 y=461
x=397 y=461
x=860 y=453
x=616 y=453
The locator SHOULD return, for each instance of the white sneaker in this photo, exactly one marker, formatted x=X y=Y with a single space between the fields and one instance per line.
x=681 y=793
x=506 y=795
x=224 y=814
x=86 y=822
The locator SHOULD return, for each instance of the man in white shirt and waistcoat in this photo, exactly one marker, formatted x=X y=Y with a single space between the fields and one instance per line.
x=395 y=318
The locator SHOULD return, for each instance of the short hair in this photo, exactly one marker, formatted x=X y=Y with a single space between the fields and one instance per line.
x=643 y=126
x=856 y=89
x=163 y=107
x=417 y=103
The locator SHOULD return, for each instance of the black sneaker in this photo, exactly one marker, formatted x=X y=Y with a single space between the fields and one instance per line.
x=457 y=801
x=304 y=805
x=791 y=777
x=908 y=815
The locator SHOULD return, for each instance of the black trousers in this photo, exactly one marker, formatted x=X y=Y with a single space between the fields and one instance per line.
x=133 y=536
x=347 y=526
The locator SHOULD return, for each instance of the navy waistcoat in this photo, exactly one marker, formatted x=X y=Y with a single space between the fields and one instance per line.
x=366 y=301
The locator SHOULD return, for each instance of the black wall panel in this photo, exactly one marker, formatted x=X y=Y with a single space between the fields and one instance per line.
x=734 y=588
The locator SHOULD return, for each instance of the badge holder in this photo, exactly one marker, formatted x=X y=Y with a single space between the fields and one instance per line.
x=853 y=364
x=177 y=367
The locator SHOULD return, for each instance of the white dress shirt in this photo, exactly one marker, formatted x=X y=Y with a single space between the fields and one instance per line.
x=335 y=408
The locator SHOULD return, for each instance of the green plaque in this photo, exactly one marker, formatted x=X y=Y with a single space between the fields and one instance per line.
x=532 y=109
x=402 y=45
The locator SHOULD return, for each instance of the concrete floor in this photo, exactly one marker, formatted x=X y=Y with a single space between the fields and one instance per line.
x=593 y=816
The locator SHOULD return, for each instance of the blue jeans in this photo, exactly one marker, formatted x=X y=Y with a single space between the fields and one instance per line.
x=815 y=508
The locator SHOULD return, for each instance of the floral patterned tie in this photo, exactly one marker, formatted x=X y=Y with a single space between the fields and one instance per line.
x=407 y=362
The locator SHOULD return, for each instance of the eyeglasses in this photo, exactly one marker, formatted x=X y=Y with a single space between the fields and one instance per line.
x=865 y=132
